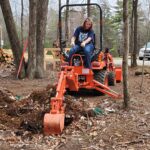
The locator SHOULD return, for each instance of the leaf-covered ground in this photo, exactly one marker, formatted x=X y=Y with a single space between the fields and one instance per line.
x=93 y=122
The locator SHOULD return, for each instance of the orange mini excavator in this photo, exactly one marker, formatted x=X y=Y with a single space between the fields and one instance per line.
x=75 y=77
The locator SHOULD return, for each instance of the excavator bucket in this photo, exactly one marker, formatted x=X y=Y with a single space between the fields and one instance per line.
x=53 y=123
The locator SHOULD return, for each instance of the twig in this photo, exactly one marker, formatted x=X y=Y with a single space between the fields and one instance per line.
x=78 y=127
x=131 y=142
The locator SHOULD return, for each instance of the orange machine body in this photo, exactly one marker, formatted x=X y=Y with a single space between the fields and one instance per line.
x=106 y=60
x=118 y=72
x=74 y=78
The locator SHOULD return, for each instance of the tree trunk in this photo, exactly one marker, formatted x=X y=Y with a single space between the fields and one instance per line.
x=131 y=34
x=88 y=8
x=59 y=5
x=42 y=10
x=22 y=8
x=135 y=33
x=32 y=40
x=125 y=53
x=66 y=21
x=12 y=34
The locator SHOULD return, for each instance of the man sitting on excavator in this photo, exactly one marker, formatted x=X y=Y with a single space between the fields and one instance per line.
x=83 y=40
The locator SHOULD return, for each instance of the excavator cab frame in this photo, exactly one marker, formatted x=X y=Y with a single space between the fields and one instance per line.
x=100 y=25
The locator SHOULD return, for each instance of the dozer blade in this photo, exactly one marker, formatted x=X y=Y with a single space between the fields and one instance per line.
x=53 y=123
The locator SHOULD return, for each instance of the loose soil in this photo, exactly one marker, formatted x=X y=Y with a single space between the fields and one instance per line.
x=92 y=122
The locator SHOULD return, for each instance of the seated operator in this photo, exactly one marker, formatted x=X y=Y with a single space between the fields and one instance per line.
x=83 y=40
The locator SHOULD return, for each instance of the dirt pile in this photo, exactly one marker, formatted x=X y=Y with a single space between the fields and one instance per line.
x=22 y=119
x=27 y=113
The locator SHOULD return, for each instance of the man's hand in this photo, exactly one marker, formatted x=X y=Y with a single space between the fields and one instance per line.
x=86 y=41
x=83 y=44
x=72 y=43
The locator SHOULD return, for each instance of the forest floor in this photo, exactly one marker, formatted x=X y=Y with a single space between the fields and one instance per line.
x=93 y=122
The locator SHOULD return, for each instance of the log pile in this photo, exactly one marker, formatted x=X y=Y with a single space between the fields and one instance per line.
x=4 y=57
x=146 y=71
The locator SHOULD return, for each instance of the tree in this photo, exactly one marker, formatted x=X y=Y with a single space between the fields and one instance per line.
x=59 y=5
x=134 y=55
x=66 y=22
x=22 y=14
x=12 y=34
x=88 y=8
x=117 y=24
x=32 y=40
x=108 y=34
x=131 y=34
x=125 y=53
x=42 y=10
x=37 y=29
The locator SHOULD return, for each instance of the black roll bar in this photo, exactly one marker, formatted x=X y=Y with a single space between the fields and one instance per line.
x=74 y=5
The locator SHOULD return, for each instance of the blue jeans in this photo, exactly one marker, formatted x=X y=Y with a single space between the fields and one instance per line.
x=88 y=50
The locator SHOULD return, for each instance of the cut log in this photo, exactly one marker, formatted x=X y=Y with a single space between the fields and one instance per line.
x=4 y=57
x=139 y=71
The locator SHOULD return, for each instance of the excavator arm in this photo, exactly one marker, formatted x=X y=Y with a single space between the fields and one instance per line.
x=54 y=120
x=106 y=90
